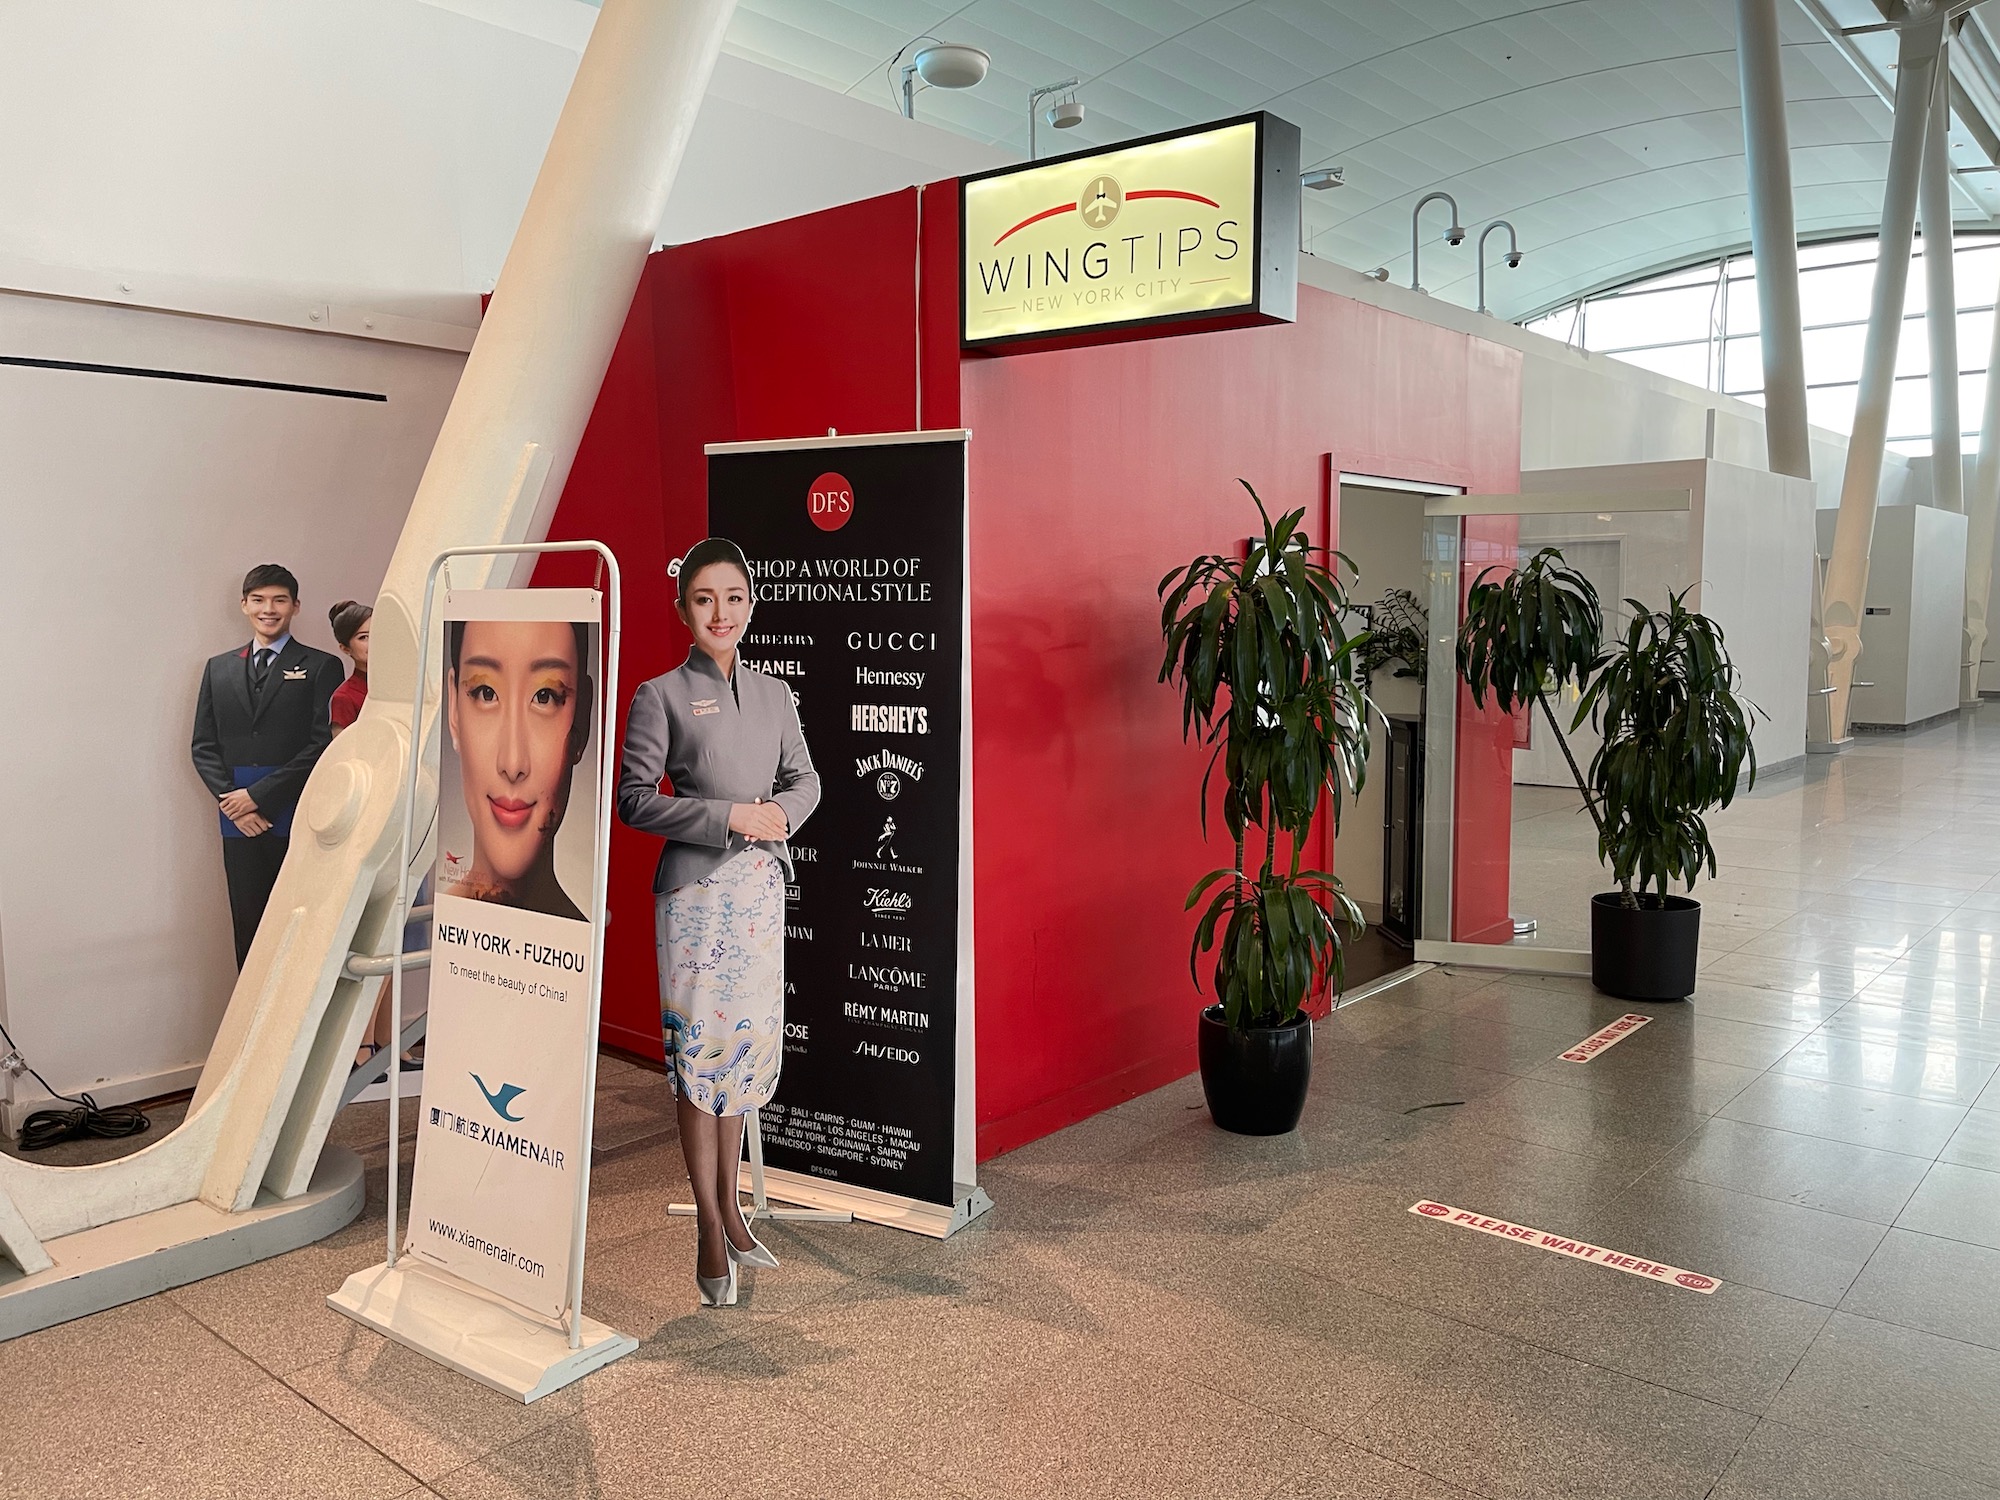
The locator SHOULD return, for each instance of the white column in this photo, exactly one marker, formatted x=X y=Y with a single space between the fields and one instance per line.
x=1773 y=240
x=1941 y=297
x=493 y=476
x=1983 y=506
x=1847 y=570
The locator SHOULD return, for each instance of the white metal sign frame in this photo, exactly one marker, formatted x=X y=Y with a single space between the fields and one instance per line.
x=419 y=1306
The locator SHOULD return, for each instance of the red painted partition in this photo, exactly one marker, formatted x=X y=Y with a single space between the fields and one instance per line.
x=776 y=332
x=1094 y=470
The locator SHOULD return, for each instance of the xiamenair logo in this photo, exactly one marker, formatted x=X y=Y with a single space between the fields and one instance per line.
x=500 y=1098
x=485 y=1133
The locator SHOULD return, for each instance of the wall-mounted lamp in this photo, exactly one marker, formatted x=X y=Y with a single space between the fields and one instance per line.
x=1455 y=235
x=1319 y=179
x=1513 y=256
x=940 y=65
x=1065 y=114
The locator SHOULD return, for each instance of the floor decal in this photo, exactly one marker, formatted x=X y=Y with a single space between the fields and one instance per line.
x=1597 y=1255
x=1610 y=1036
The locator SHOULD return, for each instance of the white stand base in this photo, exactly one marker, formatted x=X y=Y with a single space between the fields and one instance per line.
x=132 y=1258
x=937 y=1220
x=815 y=1200
x=473 y=1332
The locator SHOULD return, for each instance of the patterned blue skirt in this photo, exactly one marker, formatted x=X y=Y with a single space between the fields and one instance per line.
x=721 y=945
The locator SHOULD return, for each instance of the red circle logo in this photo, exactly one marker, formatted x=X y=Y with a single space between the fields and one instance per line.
x=1695 y=1280
x=830 y=501
x=1435 y=1210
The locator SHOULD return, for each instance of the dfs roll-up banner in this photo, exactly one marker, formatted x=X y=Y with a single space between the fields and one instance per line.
x=500 y=1129
x=858 y=545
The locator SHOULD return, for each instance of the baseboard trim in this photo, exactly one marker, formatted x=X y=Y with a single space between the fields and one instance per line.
x=1525 y=959
x=1047 y=1116
x=1947 y=717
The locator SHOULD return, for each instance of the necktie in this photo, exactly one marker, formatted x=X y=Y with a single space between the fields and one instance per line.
x=261 y=668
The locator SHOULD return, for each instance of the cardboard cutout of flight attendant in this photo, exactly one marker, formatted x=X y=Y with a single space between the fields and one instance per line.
x=726 y=737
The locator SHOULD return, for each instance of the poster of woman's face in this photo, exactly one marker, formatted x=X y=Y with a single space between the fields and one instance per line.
x=520 y=705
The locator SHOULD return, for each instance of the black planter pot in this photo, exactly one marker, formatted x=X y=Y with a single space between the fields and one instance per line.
x=1647 y=954
x=1255 y=1079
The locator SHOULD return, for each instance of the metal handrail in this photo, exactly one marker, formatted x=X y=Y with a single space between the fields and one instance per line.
x=377 y=965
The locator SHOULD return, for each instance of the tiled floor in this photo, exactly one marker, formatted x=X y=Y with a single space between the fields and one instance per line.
x=1158 y=1309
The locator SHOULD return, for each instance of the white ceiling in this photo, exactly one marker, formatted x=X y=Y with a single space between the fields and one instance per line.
x=1608 y=131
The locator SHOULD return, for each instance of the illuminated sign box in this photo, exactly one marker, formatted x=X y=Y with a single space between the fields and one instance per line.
x=1181 y=232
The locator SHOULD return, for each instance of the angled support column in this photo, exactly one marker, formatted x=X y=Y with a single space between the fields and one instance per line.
x=1941 y=297
x=1983 y=509
x=258 y=1119
x=1861 y=480
x=1773 y=239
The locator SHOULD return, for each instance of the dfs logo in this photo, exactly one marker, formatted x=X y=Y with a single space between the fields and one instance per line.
x=830 y=501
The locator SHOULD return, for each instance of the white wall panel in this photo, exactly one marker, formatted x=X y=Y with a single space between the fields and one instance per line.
x=132 y=508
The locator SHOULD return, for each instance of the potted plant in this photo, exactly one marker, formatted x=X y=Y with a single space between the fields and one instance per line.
x=1267 y=674
x=1675 y=742
x=1399 y=634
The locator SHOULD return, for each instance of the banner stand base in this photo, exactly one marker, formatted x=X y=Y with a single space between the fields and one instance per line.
x=472 y=1332
x=816 y=1200
x=937 y=1220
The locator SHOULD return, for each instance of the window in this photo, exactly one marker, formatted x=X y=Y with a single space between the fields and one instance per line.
x=1699 y=324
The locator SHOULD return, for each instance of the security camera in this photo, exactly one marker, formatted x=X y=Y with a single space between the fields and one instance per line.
x=1455 y=235
x=1514 y=261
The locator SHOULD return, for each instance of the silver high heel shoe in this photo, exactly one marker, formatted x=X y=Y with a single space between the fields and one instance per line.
x=756 y=1255
x=718 y=1291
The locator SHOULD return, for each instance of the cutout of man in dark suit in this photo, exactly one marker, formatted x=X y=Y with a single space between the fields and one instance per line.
x=260 y=723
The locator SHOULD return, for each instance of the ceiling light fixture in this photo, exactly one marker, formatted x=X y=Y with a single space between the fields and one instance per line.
x=1455 y=235
x=939 y=65
x=1319 y=179
x=1513 y=256
x=1064 y=114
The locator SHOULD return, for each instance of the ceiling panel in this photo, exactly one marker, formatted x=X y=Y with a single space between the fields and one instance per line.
x=1608 y=131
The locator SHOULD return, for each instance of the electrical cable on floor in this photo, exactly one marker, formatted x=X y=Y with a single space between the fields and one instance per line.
x=50 y=1127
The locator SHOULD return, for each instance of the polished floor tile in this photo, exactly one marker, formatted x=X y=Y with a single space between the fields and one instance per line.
x=1900 y=1391
x=1976 y=1143
x=1835 y=1177
x=1156 y=1309
x=1782 y=1248
x=1913 y=1070
x=1787 y=1463
x=1940 y=1286
x=1959 y=1202
x=1508 y=1420
x=1861 y=1117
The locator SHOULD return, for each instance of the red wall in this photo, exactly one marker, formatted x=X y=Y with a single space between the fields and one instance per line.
x=1094 y=471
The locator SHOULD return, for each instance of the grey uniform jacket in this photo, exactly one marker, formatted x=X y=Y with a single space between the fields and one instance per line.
x=718 y=742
